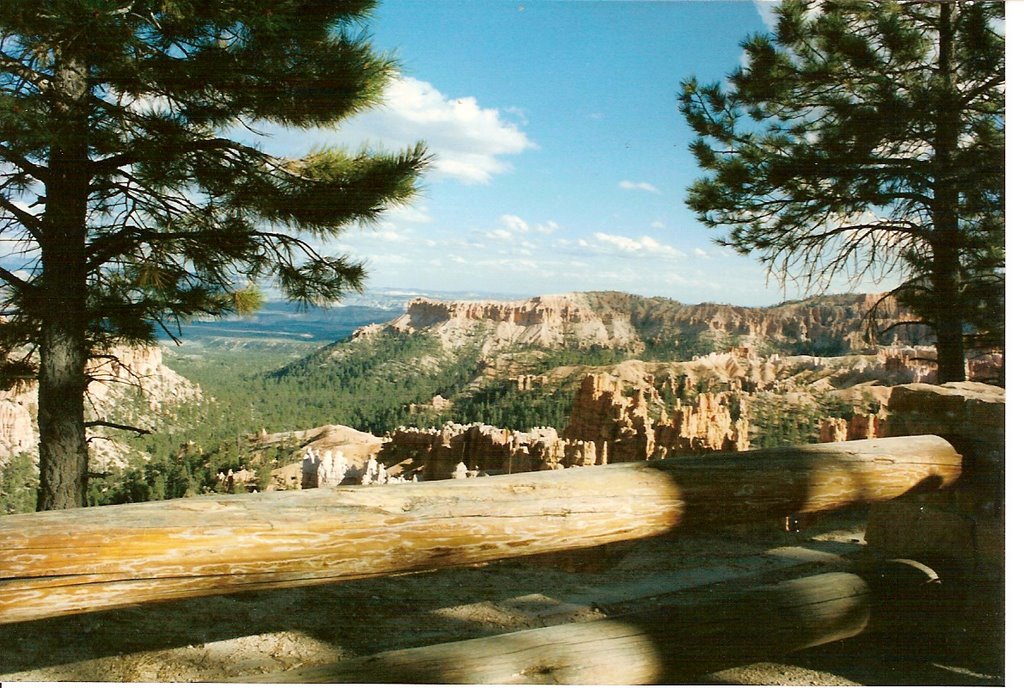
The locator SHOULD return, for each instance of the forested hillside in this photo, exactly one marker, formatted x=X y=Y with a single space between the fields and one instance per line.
x=513 y=365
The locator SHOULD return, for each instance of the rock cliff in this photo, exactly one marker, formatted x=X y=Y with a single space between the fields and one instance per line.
x=613 y=319
x=617 y=417
x=621 y=413
x=131 y=386
x=833 y=324
x=829 y=324
x=543 y=321
x=460 y=451
x=321 y=457
x=611 y=421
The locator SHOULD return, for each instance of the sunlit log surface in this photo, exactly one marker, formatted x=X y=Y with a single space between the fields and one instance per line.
x=676 y=644
x=66 y=562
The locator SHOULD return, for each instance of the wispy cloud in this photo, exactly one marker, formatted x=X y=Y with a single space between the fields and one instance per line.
x=638 y=186
x=408 y=214
x=514 y=223
x=499 y=234
x=519 y=113
x=766 y=8
x=643 y=245
x=469 y=142
x=466 y=139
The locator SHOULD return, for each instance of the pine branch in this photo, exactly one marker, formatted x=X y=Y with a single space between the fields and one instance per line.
x=38 y=171
x=27 y=220
x=130 y=158
x=117 y=426
x=16 y=282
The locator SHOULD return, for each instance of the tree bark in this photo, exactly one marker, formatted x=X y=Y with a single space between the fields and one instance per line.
x=946 y=269
x=62 y=309
x=63 y=452
x=106 y=557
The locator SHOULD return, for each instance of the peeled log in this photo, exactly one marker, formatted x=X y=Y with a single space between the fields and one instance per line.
x=678 y=643
x=66 y=562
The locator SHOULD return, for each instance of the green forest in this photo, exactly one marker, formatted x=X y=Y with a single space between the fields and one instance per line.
x=376 y=384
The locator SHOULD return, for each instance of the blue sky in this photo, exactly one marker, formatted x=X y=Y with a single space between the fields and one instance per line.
x=561 y=158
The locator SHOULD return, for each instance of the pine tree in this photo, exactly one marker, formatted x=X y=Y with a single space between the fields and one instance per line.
x=133 y=197
x=866 y=137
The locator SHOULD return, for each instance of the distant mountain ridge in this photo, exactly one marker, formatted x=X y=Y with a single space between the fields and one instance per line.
x=518 y=363
x=826 y=324
x=280 y=324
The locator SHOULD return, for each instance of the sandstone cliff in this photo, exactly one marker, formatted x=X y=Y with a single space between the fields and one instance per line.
x=617 y=416
x=835 y=324
x=131 y=386
x=321 y=457
x=832 y=324
x=621 y=413
x=613 y=319
x=612 y=420
x=543 y=321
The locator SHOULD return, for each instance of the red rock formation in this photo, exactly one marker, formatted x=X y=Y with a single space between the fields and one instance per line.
x=621 y=425
x=618 y=425
x=706 y=426
x=865 y=426
x=484 y=449
x=832 y=430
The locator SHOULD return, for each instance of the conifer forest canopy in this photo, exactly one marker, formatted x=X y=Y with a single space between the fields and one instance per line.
x=130 y=190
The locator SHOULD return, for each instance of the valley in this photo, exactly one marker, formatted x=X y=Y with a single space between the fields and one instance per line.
x=540 y=383
x=466 y=390
x=551 y=382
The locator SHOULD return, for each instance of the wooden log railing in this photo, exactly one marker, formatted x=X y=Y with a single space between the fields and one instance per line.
x=677 y=643
x=67 y=562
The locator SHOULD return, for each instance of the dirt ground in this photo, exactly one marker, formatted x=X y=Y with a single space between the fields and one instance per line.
x=229 y=638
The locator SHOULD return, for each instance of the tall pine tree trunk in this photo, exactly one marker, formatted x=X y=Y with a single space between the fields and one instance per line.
x=948 y=314
x=63 y=452
x=64 y=349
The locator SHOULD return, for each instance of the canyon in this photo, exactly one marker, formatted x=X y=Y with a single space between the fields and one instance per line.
x=621 y=413
x=613 y=319
x=682 y=380
x=130 y=385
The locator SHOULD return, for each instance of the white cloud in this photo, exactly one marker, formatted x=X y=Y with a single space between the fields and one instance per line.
x=700 y=253
x=766 y=8
x=657 y=224
x=514 y=223
x=519 y=113
x=644 y=245
x=468 y=141
x=513 y=264
x=411 y=214
x=500 y=234
x=388 y=259
x=638 y=186
x=389 y=235
x=681 y=281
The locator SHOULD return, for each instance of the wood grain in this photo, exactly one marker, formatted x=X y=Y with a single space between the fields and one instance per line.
x=678 y=643
x=66 y=562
